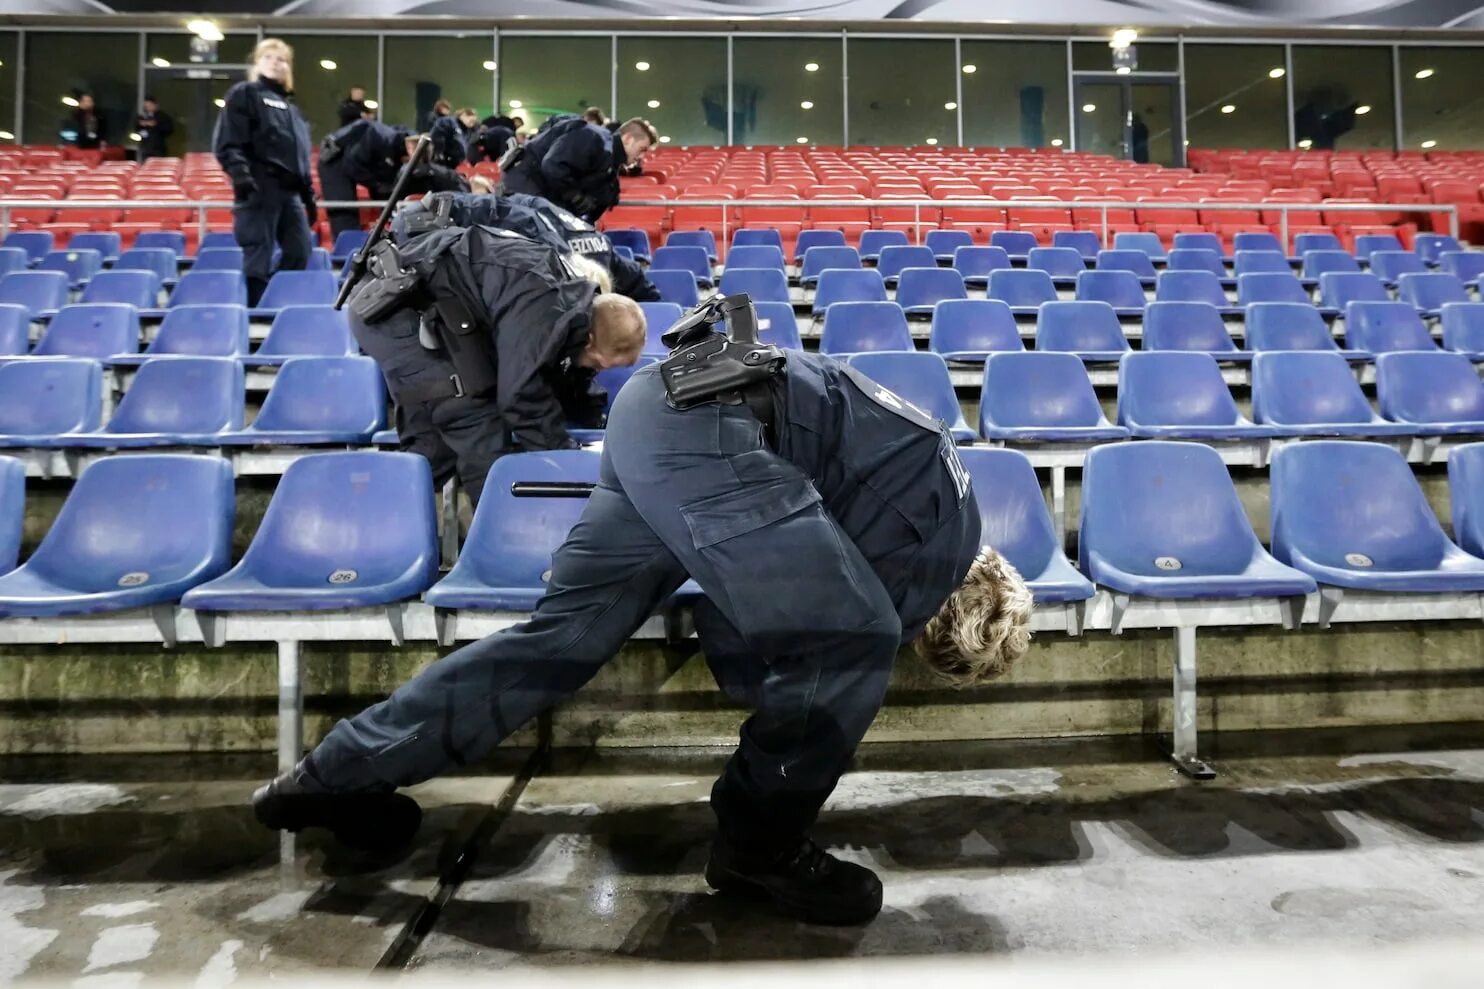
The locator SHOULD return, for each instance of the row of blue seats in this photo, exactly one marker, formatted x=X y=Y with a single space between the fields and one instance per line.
x=44 y=292
x=110 y=332
x=357 y=529
x=82 y=265
x=37 y=244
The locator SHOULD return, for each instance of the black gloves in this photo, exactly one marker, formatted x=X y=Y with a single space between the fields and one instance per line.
x=243 y=187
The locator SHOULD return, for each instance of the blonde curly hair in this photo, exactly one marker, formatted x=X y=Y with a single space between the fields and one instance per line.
x=983 y=627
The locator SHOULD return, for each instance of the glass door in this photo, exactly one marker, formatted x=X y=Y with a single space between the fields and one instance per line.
x=190 y=95
x=1133 y=117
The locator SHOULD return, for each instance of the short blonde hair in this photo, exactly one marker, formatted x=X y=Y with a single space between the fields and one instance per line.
x=983 y=627
x=271 y=44
x=618 y=327
x=594 y=272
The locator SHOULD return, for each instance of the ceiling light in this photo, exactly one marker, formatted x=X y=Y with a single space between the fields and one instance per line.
x=1124 y=37
x=328 y=64
x=6 y=135
x=1424 y=73
x=653 y=104
x=161 y=63
x=811 y=66
x=1229 y=108
x=807 y=105
x=219 y=102
x=515 y=104
x=202 y=28
x=932 y=140
x=69 y=101
x=642 y=66
x=1363 y=109
x=1306 y=144
x=1277 y=72
x=1089 y=107
x=370 y=104
x=1429 y=144
x=950 y=105
x=1122 y=70
x=970 y=69
x=664 y=138
x=489 y=65
x=1056 y=142
x=133 y=137
x=802 y=140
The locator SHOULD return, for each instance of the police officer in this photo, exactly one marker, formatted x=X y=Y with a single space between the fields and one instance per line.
x=575 y=163
x=362 y=153
x=495 y=137
x=353 y=107
x=827 y=521
x=450 y=135
x=262 y=143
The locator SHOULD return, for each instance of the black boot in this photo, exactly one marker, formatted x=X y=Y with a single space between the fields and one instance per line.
x=804 y=882
x=373 y=822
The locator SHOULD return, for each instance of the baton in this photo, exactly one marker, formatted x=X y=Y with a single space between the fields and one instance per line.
x=380 y=229
x=552 y=489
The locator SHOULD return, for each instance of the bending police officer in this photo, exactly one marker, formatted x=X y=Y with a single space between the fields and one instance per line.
x=575 y=164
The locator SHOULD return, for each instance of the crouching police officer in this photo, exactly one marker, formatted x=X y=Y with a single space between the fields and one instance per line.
x=489 y=342
x=369 y=153
x=827 y=521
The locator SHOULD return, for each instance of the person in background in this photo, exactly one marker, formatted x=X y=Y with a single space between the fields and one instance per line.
x=154 y=127
x=87 y=126
x=450 y=137
x=353 y=107
x=262 y=143
x=575 y=163
x=496 y=135
x=441 y=109
x=595 y=116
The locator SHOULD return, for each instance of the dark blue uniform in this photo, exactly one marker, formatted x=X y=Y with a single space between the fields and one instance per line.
x=262 y=143
x=820 y=553
x=573 y=164
x=362 y=153
x=448 y=138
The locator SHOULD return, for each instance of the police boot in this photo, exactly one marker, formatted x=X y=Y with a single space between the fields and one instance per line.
x=367 y=821
x=804 y=882
x=255 y=289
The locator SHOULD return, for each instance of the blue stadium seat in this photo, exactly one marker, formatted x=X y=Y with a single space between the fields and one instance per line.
x=658 y=317
x=220 y=259
x=1197 y=242
x=12 y=511
x=755 y=256
x=41 y=400
x=1171 y=394
x=36 y=243
x=1320 y=263
x=1163 y=520
x=873 y=242
x=160 y=260
x=77 y=265
x=1466 y=495
x=183 y=401
x=208 y=288
x=1391 y=265
x=1193 y=286
x=1193 y=326
x=675 y=285
x=855 y=327
x=1084 y=242
x=319 y=260
x=1368 y=244
x=39 y=291
x=1149 y=243
x=893 y=258
x=1120 y=289
x=1312 y=393
x=171 y=240
x=140 y=289
x=1137 y=262
x=1327 y=500
x=1037 y=397
x=1463 y=328
x=611 y=380
x=96 y=330
x=217 y=238
x=1304 y=243
x=1086 y=328
x=1382 y=327
x=623 y=251
x=843 y=285
x=196 y=331
x=1466 y=266
x=1023 y=290
x=13 y=259
x=1429 y=293
x=344 y=530
x=691 y=258
x=506 y=557
x=1287 y=326
x=296 y=288
x=972 y=329
x=1260 y=263
x=636 y=241
x=755 y=237
x=976 y=263
x=302 y=331
x=820 y=259
x=1439 y=392
x=693 y=238
x=1432 y=247
x=776 y=325
x=105 y=242
x=1257 y=242
x=1061 y=263
x=1196 y=259
x=1338 y=289
x=347 y=242
x=166 y=525
x=944 y=242
x=1270 y=287
x=15 y=330
x=816 y=238
x=761 y=284
x=920 y=289
x=1014 y=520
x=921 y=379
x=318 y=400
x=1016 y=243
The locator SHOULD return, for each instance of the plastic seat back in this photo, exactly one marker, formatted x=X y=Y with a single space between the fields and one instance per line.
x=1337 y=289
x=854 y=327
x=675 y=285
x=1413 y=386
x=94 y=330
x=77 y=265
x=874 y=243
x=691 y=258
x=203 y=331
x=820 y=259
x=838 y=285
x=1463 y=327
x=776 y=325
x=1058 y=262
x=1381 y=327
x=693 y=238
x=347 y=242
x=809 y=239
x=1038 y=389
x=1368 y=244
x=976 y=263
x=1391 y=265
x=171 y=240
x=1120 y=289
x=894 y=258
x=161 y=260
x=1257 y=242
x=1304 y=243
x=1190 y=286
x=1271 y=287
x=973 y=326
x=919 y=289
x=755 y=256
x=210 y=287
x=15 y=330
x=1466 y=495
x=1012 y=510
x=920 y=378
x=138 y=288
x=944 y=242
x=1185 y=326
x=47 y=398
x=36 y=243
x=1084 y=242
x=308 y=331
x=1197 y=242
x=13 y=259
x=1079 y=327
x=1137 y=262
x=1021 y=288
x=299 y=288
x=1196 y=259
x=1286 y=326
x=1148 y=243
x=12 y=511
x=760 y=284
x=1319 y=263
x=1432 y=246
x=38 y=291
x=184 y=395
x=325 y=394
x=1016 y=243
x=1306 y=388
x=1170 y=388
x=219 y=259
x=755 y=237
x=1260 y=262
x=658 y=317
x=1428 y=292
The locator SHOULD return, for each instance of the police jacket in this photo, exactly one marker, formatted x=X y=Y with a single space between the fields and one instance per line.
x=494 y=137
x=448 y=142
x=260 y=130
x=350 y=111
x=367 y=152
x=574 y=164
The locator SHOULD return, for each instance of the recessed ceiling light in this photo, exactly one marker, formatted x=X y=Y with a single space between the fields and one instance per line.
x=1229 y=108
x=328 y=64
x=1122 y=70
x=642 y=66
x=1277 y=72
x=664 y=138
x=1429 y=144
x=516 y=104
x=219 y=101
x=970 y=69
x=950 y=105
x=161 y=63
x=69 y=101
x=811 y=66
x=1424 y=73
x=1056 y=142
x=1363 y=109
x=370 y=104
x=489 y=65
x=653 y=104
x=6 y=135
x=802 y=140
x=932 y=140
x=1089 y=107
x=1306 y=144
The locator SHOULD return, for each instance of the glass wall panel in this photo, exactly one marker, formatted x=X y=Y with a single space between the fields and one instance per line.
x=1236 y=96
x=9 y=56
x=1015 y=93
x=63 y=65
x=787 y=91
x=175 y=48
x=681 y=89
x=903 y=92
x=544 y=76
x=1446 y=104
x=191 y=103
x=420 y=71
x=1096 y=56
x=1342 y=97
x=326 y=66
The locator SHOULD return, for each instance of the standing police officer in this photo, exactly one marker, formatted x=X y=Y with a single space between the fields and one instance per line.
x=262 y=143
x=575 y=163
